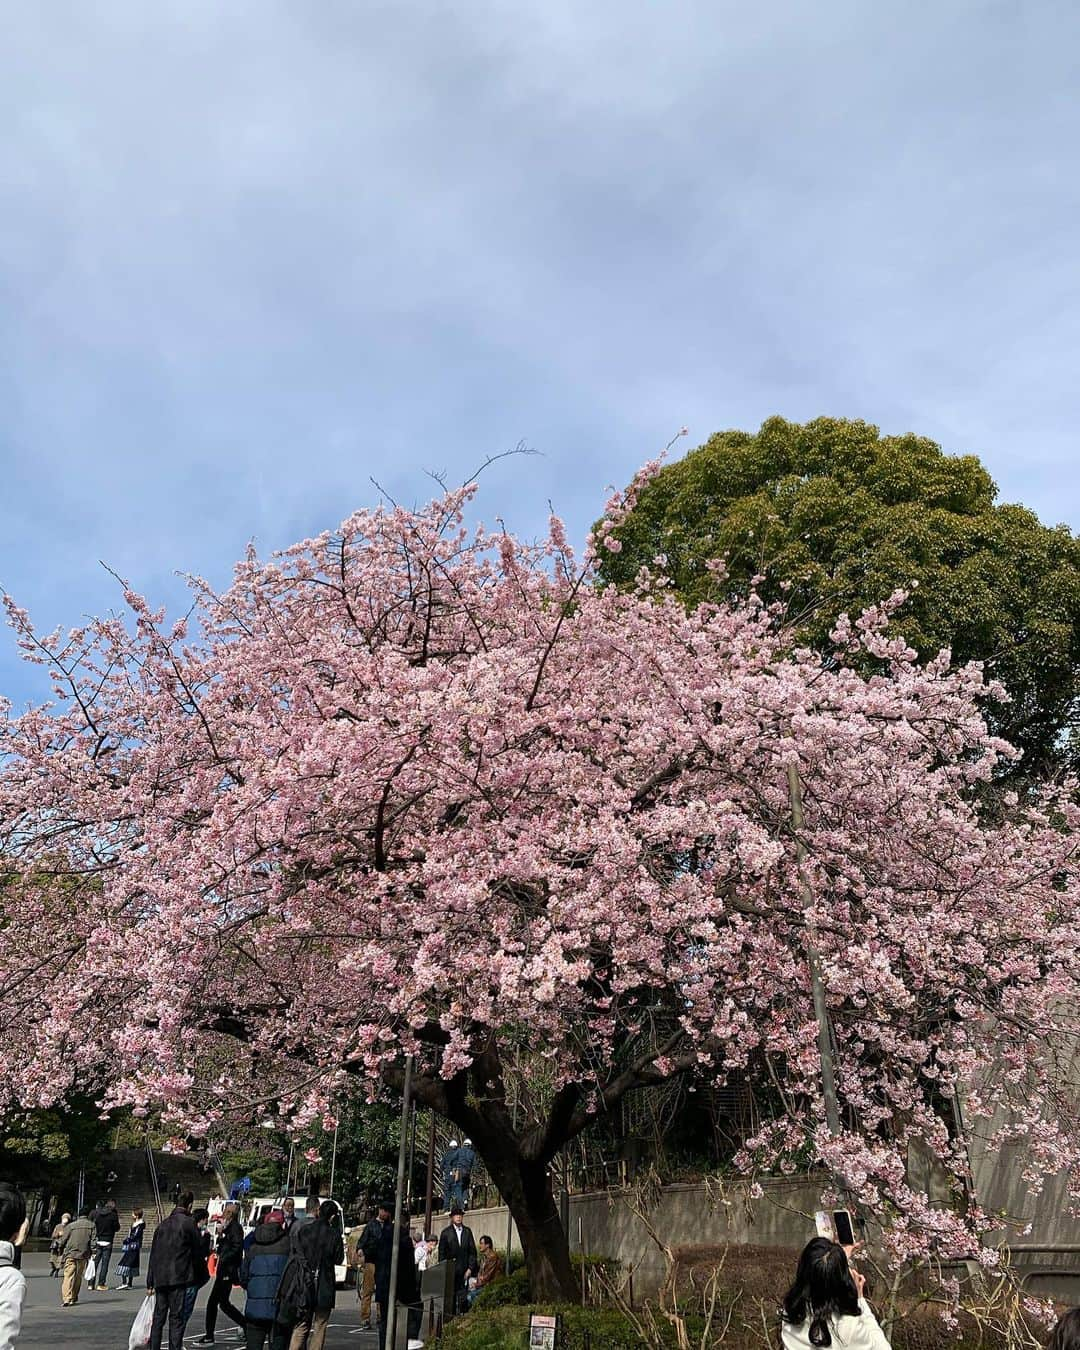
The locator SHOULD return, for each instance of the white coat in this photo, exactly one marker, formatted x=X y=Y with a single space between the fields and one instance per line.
x=12 y=1293
x=848 y=1333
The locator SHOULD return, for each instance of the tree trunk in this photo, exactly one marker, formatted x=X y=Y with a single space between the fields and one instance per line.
x=476 y=1104
x=526 y=1188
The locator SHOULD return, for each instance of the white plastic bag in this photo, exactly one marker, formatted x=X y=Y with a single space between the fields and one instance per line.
x=140 y=1328
x=90 y=1272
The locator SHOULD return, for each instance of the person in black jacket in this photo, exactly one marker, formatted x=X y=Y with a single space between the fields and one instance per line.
x=230 y=1252
x=173 y=1267
x=408 y=1287
x=370 y=1241
x=319 y=1245
x=107 y=1225
x=202 y=1265
x=456 y=1243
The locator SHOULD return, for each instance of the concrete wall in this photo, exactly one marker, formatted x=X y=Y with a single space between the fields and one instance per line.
x=603 y=1224
x=1050 y=1252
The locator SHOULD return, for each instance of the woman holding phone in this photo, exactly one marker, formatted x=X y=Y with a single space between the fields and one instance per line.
x=825 y=1305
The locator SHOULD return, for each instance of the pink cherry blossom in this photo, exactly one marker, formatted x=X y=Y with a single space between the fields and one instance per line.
x=407 y=789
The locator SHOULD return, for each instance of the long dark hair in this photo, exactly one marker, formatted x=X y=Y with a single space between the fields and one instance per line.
x=1066 y=1335
x=823 y=1289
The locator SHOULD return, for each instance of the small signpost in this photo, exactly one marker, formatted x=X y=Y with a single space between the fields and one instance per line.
x=544 y=1331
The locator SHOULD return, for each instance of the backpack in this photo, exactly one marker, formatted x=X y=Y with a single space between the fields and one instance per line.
x=371 y=1239
x=296 y=1293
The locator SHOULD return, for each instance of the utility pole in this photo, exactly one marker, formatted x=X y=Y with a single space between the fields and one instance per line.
x=391 y=1304
x=429 y=1197
x=412 y=1161
x=333 y=1164
x=821 y=1012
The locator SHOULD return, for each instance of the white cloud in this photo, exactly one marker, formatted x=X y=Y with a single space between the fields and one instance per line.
x=251 y=253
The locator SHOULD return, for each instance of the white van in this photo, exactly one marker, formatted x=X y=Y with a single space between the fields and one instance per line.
x=258 y=1203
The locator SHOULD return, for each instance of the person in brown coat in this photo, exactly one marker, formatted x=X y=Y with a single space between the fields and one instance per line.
x=56 y=1243
x=491 y=1268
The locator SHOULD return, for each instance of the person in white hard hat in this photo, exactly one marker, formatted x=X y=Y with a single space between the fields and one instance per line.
x=449 y=1166
x=466 y=1161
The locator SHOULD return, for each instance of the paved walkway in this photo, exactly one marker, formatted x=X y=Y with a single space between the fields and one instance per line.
x=102 y=1321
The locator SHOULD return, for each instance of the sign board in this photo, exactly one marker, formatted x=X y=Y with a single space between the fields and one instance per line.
x=543 y=1332
x=437 y=1287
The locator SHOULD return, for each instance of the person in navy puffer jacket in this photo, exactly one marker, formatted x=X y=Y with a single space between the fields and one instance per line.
x=260 y=1274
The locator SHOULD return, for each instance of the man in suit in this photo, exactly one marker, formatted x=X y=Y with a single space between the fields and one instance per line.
x=174 y=1266
x=456 y=1243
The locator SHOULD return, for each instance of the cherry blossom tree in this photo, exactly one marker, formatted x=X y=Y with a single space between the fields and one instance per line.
x=414 y=789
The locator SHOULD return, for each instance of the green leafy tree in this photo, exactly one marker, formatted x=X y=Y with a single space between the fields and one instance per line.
x=833 y=517
x=368 y=1151
x=48 y=1148
x=367 y=1155
x=265 y=1168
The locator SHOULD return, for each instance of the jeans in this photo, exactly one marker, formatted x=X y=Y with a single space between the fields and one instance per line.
x=104 y=1256
x=191 y=1296
x=168 y=1306
x=219 y=1298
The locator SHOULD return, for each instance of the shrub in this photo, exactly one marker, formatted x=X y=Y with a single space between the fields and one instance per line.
x=513 y=1290
x=506 y=1328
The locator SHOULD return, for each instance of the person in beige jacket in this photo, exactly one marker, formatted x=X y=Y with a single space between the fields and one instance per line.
x=56 y=1242
x=78 y=1242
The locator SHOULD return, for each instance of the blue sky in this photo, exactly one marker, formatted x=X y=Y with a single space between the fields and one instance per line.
x=253 y=253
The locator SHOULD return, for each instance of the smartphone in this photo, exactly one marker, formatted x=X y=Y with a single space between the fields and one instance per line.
x=824 y=1225
x=842 y=1227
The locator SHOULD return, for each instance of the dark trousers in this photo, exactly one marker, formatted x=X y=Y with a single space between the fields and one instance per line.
x=219 y=1298
x=104 y=1256
x=259 y=1334
x=168 y=1307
